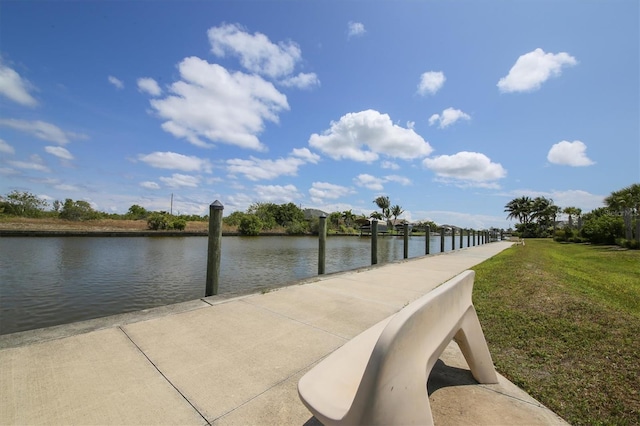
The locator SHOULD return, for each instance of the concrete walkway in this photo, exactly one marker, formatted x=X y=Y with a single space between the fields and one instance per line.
x=238 y=361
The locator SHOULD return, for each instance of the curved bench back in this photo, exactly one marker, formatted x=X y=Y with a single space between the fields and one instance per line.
x=393 y=389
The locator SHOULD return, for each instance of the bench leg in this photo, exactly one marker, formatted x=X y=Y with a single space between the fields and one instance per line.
x=470 y=339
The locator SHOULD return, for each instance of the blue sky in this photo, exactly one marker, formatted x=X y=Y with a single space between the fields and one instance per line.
x=451 y=109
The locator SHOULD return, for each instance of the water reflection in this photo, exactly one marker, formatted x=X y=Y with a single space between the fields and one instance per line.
x=50 y=281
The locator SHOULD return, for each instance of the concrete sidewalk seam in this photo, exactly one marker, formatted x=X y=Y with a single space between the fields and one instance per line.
x=164 y=376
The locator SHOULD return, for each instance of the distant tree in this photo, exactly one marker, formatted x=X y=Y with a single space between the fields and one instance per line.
x=601 y=227
x=626 y=202
x=266 y=212
x=233 y=219
x=136 y=212
x=520 y=208
x=24 y=204
x=334 y=219
x=348 y=217
x=157 y=221
x=396 y=211
x=383 y=204
x=78 y=210
x=571 y=212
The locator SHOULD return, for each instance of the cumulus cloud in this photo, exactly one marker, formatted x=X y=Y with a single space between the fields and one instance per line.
x=42 y=130
x=321 y=191
x=117 y=83
x=569 y=154
x=14 y=87
x=398 y=179
x=302 y=81
x=363 y=136
x=178 y=180
x=209 y=102
x=277 y=193
x=534 y=68
x=175 y=161
x=149 y=185
x=255 y=51
x=6 y=148
x=149 y=85
x=389 y=165
x=448 y=117
x=355 y=29
x=59 y=152
x=306 y=155
x=431 y=82
x=474 y=168
x=367 y=181
x=259 y=169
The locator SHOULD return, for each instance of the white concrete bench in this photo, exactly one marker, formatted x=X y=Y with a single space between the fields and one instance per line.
x=380 y=376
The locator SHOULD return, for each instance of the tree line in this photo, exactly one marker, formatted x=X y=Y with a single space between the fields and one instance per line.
x=616 y=223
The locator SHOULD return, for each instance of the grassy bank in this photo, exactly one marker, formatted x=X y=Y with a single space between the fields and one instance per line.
x=563 y=322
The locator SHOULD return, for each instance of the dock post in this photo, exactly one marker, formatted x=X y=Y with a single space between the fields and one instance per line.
x=374 y=242
x=214 y=248
x=461 y=237
x=474 y=237
x=468 y=237
x=453 y=238
x=427 y=238
x=322 y=233
x=405 y=230
x=441 y=240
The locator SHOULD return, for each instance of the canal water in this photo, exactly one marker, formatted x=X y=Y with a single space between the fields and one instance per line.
x=57 y=280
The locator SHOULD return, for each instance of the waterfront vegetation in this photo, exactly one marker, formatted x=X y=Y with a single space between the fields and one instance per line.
x=562 y=323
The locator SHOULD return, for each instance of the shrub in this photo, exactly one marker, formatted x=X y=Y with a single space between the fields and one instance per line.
x=178 y=224
x=603 y=229
x=157 y=221
x=296 y=228
x=250 y=224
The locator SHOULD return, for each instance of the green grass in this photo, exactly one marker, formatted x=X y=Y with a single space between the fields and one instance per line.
x=563 y=322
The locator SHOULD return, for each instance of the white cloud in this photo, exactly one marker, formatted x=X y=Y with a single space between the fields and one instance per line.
x=306 y=155
x=363 y=136
x=209 y=102
x=172 y=160
x=355 y=29
x=569 y=154
x=431 y=82
x=6 y=148
x=302 y=81
x=534 y=68
x=448 y=117
x=389 y=165
x=257 y=169
x=398 y=179
x=321 y=191
x=178 y=180
x=149 y=85
x=117 y=83
x=15 y=87
x=42 y=130
x=369 y=182
x=35 y=163
x=67 y=187
x=471 y=167
x=255 y=51
x=59 y=152
x=149 y=185
x=277 y=193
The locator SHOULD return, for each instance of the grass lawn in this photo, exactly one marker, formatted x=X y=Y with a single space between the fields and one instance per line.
x=563 y=322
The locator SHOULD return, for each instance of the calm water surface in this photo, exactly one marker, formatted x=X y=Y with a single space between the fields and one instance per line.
x=58 y=280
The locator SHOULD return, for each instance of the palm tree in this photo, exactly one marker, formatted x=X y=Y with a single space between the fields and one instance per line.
x=572 y=211
x=626 y=202
x=383 y=203
x=348 y=216
x=396 y=211
x=520 y=208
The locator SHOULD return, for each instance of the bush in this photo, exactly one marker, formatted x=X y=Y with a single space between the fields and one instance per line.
x=630 y=244
x=178 y=224
x=250 y=225
x=157 y=221
x=603 y=229
x=296 y=228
